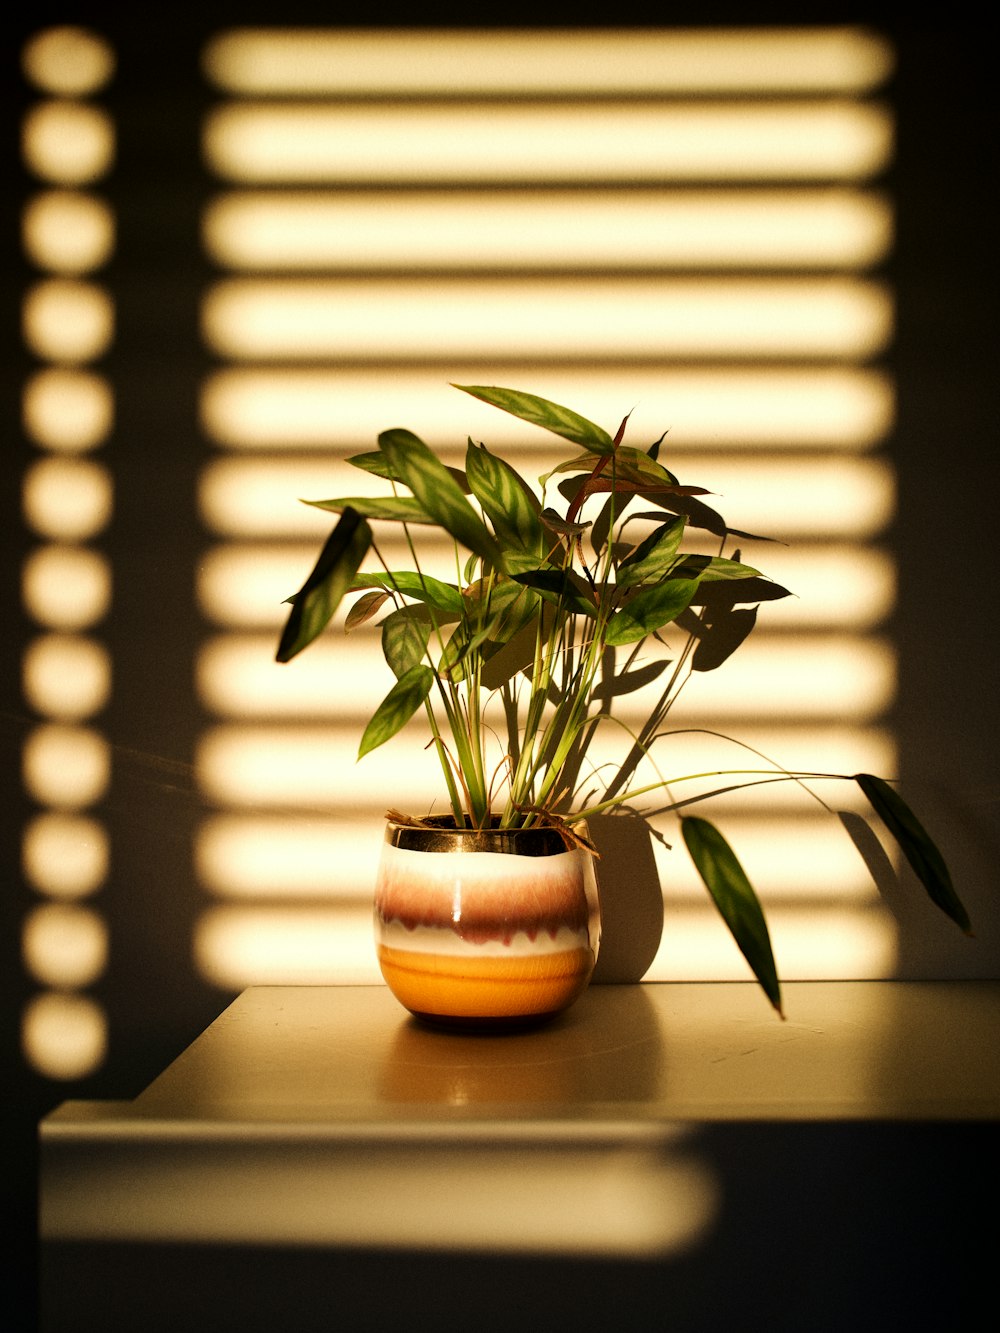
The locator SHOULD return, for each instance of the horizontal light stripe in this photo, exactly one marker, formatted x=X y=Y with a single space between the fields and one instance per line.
x=246 y=586
x=277 y=857
x=313 y=769
x=236 y=947
x=797 y=318
x=283 y=860
x=596 y=61
x=615 y=229
x=816 y=407
x=817 y=943
x=808 y=676
x=813 y=498
x=550 y=143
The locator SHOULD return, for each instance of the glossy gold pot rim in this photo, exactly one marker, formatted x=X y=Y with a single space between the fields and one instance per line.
x=437 y=833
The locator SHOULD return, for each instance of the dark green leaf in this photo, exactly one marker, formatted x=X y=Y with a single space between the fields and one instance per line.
x=540 y=412
x=917 y=846
x=649 y=610
x=398 y=706
x=735 y=898
x=438 y=493
x=333 y=574
x=562 y=588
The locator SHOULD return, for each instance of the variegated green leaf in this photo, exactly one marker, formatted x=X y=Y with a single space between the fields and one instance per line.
x=393 y=508
x=405 y=635
x=653 y=557
x=444 y=597
x=507 y=500
x=438 y=493
x=377 y=465
x=541 y=412
x=398 y=706
x=333 y=574
x=734 y=896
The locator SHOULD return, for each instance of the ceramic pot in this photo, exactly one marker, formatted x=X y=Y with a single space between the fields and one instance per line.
x=485 y=929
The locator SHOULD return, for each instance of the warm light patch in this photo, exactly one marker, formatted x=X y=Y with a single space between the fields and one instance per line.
x=847 y=408
x=66 y=587
x=65 y=856
x=815 y=943
x=814 y=676
x=66 y=677
x=651 y=317
x=69 y=61
x=66 y=320
x=597 y=61
x=68 y=143
x=64 y=946
x=240 y=946
x=287 y=857
x=555 y=229
x=66 y=767
x=546 y=142
x=64 y=1036
x=67 y=499
x=836 y=497
x=68 y=410
x=314 y=768
x=68 y=232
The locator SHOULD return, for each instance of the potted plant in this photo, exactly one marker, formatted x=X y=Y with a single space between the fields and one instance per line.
x=562 y=600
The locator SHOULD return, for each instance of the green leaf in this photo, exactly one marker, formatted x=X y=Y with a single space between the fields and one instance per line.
x=714 y=569
x=438 y=493
x=917 y=846
x=735 y=898
x=394 y=508
x=562 y=588
x=507 y=500
x=649 y=610
x=333 y=574
x=653 y=557
x=377 y=465
x=443 y=596
x=540 y=412
x=405 y=635
x=398 y=706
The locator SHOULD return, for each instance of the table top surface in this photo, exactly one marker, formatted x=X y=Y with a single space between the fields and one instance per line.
x=350 y=1055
